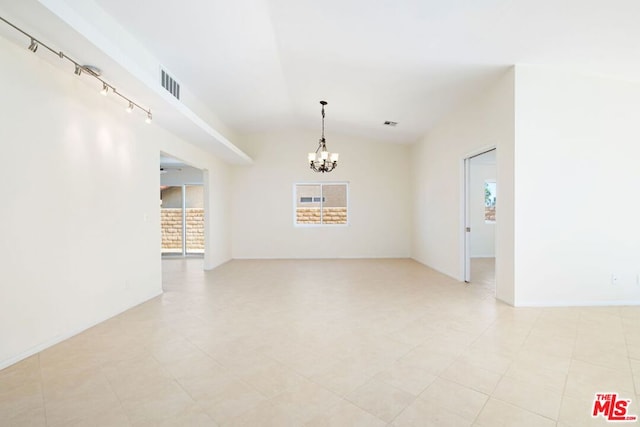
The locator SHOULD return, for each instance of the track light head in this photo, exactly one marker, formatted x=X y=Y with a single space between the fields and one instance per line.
x=33 y=47
x=79 y=68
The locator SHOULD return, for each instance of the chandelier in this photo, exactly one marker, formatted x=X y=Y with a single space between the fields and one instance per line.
x=322 y=160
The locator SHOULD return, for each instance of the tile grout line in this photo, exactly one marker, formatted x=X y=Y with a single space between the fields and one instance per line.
x=44 y=403
x=629 y=359
x=502 y=376
x=566 y=378
x=116 y=395
x=475 y=419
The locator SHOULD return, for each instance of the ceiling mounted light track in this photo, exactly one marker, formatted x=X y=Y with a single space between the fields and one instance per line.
x=80 y=69
x=322 y=160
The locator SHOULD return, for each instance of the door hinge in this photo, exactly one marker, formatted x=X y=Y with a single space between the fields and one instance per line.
x=468 y=229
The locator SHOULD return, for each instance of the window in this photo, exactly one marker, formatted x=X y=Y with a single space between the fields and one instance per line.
x=310 y=199
x=321 y=204
x=182 y=219
x=490 y=201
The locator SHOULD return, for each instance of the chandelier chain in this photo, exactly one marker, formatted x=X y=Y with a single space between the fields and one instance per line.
x=323 y=121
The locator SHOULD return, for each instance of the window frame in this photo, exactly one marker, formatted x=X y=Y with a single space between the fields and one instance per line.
x=321 y=184
x=495 y=202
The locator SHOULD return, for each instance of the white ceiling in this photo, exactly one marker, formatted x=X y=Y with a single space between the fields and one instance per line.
x=265 y=64
x=169 y=161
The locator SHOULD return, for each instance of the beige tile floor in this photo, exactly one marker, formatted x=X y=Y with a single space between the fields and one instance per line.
x=329 y=343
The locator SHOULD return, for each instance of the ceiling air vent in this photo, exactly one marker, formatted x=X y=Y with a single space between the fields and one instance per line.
x=169 y=83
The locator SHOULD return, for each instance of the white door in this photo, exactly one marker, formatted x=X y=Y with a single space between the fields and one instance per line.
x=478 y=168
x=467 y=221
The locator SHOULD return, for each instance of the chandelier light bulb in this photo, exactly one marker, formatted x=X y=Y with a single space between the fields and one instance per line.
x=105 y=89
x=129 y=107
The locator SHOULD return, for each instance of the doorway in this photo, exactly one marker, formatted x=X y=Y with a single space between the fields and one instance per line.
x=182 y=208
x=480 y=199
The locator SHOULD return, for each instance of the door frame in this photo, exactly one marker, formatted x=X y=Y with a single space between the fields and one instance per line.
x=205 y=191
x=466 y=211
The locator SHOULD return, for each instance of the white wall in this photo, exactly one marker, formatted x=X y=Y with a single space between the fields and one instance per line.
x=483 y=236
x=577 y=152
x=483 y=122
x=80 y=214
x=379 y=194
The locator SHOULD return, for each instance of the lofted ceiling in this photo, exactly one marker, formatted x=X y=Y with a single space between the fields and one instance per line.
x=262 y=65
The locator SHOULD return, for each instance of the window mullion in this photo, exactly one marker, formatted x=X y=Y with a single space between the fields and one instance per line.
x=321 y=205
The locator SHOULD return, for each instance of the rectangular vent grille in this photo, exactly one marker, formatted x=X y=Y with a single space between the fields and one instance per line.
x=170 y=84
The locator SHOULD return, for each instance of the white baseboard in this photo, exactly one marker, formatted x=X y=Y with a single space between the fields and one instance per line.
x=302 y=258
x=58 y=339
x=557 y=304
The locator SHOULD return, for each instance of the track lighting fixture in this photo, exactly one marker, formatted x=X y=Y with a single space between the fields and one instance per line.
x=33 y=47
x=79 y=69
